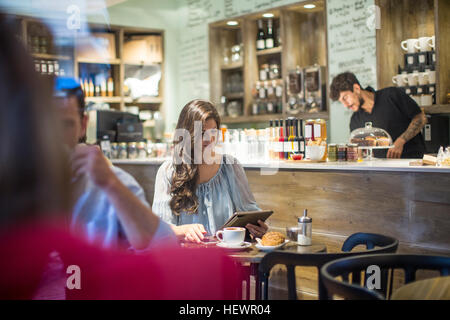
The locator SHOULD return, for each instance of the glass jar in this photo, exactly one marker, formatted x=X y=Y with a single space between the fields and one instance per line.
x=264 y=72
x=274 y=71
x=122 y=150
x=236 y=53
x=132 y=150
x=114 y=150
x=304 y=237
x=234 y=109
x=352 y=152
x=332 y=152
x=341 y=152
x=142 y=150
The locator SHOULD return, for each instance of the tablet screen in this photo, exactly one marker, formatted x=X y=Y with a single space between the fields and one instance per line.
x=241 y=219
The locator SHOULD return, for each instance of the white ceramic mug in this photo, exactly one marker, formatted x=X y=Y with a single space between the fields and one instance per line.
x=409 y=45
x=417 y=99
x=423 y=78
x=231 y=235
x=432 y=39
x=412 y=78
x=431 y=77
x=399 y=80
x=426 y=100
x=424 y=44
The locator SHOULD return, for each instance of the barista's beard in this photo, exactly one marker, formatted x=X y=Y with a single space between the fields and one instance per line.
x=361 y=103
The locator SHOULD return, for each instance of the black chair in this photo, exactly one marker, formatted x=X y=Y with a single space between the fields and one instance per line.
x=357 y=265
x=291 y=260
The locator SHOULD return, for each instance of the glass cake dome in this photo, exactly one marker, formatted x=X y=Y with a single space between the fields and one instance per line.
x=371 y=137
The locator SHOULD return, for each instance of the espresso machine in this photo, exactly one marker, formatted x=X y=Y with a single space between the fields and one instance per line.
x=315 y=88
x=436 y=133
x=118 y=126
x=295 y=92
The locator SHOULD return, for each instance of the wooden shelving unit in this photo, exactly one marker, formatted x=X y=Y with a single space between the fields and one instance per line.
x=303 y=42
x=74 y=63
x=409 y=19
x=267 y=52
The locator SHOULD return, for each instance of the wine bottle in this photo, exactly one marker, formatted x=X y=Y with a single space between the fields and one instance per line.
x=270 y=144
x=281 y=142
x=110 y=86
x=269 y=37
x=287 y=144
x=276 y=149
x=291 y=138
x=261 y=38
x=301 y=139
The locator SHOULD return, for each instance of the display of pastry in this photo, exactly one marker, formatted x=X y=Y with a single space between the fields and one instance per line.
x=272 y=238
x=371 y=141
x=383 y=142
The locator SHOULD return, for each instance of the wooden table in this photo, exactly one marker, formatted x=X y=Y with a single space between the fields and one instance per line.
x=253 y=256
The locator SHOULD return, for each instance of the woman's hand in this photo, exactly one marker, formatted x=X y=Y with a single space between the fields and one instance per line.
x=191 y=232
x=257 y=231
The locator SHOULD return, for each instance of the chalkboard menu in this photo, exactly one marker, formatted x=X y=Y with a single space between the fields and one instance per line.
x=351 y=47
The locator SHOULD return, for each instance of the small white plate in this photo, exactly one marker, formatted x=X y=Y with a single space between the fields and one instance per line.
x=270 y=248
x=241 y=246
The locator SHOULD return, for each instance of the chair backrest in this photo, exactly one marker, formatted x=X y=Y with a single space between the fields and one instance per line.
x=377 y=244
x=356 y=265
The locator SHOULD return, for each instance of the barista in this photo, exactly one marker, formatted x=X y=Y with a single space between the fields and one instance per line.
x=389 y=108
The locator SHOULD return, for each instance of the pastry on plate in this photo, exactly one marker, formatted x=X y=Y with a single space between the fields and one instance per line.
x=383 y=142
x=371 y=141
x=272 y=238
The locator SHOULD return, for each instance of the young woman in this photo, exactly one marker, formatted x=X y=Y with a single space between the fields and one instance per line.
x=199 y=189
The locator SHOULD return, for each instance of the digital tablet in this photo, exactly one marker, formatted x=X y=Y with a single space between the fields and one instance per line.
x=241 y=219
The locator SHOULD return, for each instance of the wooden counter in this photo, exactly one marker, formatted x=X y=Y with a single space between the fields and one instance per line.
x=388 y=197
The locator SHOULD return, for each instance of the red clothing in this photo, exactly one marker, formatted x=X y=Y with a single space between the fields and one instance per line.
x=166 y=273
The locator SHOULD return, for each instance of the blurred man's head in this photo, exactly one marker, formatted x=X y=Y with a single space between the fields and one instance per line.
x=70 y=103
x=346 y=89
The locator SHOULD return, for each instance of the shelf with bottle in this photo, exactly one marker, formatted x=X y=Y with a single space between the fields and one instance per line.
x=99 y=87
x=50 y=67
x=268 y=39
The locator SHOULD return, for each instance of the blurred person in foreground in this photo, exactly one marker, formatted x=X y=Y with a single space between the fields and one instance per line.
x=35 y=206
x=104 y=211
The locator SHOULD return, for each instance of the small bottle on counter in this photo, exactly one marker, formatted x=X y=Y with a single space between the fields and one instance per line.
x=304 y=237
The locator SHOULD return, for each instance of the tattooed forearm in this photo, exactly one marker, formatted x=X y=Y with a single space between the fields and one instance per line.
x=416 y=125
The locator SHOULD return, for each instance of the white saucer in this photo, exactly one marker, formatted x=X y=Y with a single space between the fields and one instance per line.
x=270 y=248
x=243 y=245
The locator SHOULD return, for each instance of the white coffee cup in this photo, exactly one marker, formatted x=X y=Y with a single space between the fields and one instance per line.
x=424 y=44
x=409 y=45
x=426 y=100
x=423 y=78
x=412 y=78
x=432 y=39
x=399 y=80
x=231 y=235
x=431 y=77
x=417 y=99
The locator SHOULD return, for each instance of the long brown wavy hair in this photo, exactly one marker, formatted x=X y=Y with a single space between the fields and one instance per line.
x=185 y=175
